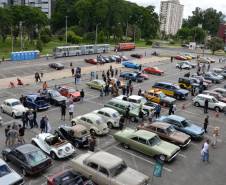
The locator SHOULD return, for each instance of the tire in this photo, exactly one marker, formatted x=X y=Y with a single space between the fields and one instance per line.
x=53 y=155
x=133 y=119
x=125 y=146
x=76 y=145
x=73 y=123
x=178 y=97
x=5 y=158
x=197 y=104
x=13 y=115
x=23 y=171
x=92 y=131
x=110 y=125
x=217 y=109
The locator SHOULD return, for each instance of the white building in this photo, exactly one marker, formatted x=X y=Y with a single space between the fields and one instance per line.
x=44 y=5
x=171 y=16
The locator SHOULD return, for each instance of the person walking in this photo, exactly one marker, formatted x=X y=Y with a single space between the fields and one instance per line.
x=63 y=110
x=170 y=109
x=131 y=89
x=174 y=109
x=157 y=111
x=82 y=95
x=91 y=142
x=7 y=129
x=208 y=67
x=24 y=120
x=139 y=92
x=44 y=85
x=13 y=136
x=121 y=122
x=21 y=134
x=171 y=59
x=35 y=119
x=206 y=105
x=127 y=90
x=123 y=90
x=72 y=71
x=30 y=117
x=116 y=72
x=71 y=110
x=127 y=114
x=43 y=124
x=205 y=151
x=206 y=123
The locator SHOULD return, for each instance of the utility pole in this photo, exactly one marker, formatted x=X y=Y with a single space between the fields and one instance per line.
x=12 y=37
x=96 y=33
x=134 y=34
x=126 y=30
x=66 y=28
x=21 y=37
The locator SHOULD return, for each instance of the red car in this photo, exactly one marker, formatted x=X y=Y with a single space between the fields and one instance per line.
x=91 y=61
x=153 y=70
x=145 y=76
x=69 y=93
x=179 y=57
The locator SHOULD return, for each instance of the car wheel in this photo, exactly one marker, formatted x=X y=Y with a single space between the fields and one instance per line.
x=76 y=145
x=92 y=131
x=110 y=125
x=73 y=123
x=5 y=158
x=23 y=171
x=126 y=146
x=13 y=115
x=197 y=104
x=133 y=119
x=53 y=155
x=217 y=109
x=178 y=97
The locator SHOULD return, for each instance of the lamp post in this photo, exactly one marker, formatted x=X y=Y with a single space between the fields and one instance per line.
x=21 y=36
x=96 y=33
x=66 y=28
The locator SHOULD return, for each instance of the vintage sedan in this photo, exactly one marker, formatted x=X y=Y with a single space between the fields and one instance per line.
x=215 y=94
x=183 y=65
x=36 y=102
x=145 y=76
x=167 y=132
x=68 y=177
x=13 y=107
x=136 y=55
x=96 y=84
x=70 y=93
x=28 y=158
x=147 y=143
x=54 y=146
x=56 y=65
x=215 y=78
x=8 y=176
x=53 y=96
x=180 y=57
x=153 y=70
x=131 y=76
x=130 y=64
x=93 y=122
x=107 y=169
x=91 y=61
x=110 y=116
x=222 y=91
x=182 y=124
x=77 y=135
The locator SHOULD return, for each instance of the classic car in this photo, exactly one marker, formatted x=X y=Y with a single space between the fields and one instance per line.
x=187 y=83
x=183 y=65
x=131 y=76
x=53 y=145
x=96 y=84
x=77 y=135
x=198 y=81
x=180 y=57
x=107 y=169
x=121 y=106
x=124 y=58
x=91 y=61
x=157 y=96
x=101 y=59
x=113 y=58
x=215 y=94
x=93 y=122
x=68 y=177
x=136 y=55
x=201 y=78
x=215 y=78
x=222 y=91
x=167 y=132
x=212 y=60
x=13 y=107
x=145 y=76
x=204 y=60
x=190 y=56
x=217 y=70
x=153 y=70
x=109 y=115
x=56 y=65
x=147 y=143
x=53 y=96
x=189 y=63
x=130 y=64
x=171 y=89
x=28 y=158
x=70 y=93
x=36 y=102
x=8 y=176
x=182 y=124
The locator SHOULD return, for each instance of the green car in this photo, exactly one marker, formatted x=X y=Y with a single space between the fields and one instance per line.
x=121 y=107
x=96 y=84
x=147 y=143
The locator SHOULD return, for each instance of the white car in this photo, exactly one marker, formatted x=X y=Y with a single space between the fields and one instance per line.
x=184 y=65
x=8 y=176
x=53 y=145
x=110 y=116
x=213 y=103
x=13 y=107
x=221 y=91
x=107 y=169
x=93 y=122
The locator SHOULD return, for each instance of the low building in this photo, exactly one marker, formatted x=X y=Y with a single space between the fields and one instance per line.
x=222 y=31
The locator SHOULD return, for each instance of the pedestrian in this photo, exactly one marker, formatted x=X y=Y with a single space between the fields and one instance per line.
x=112 y=73
x=72 y=71
x=30 y=117
x=82 y=95
x=71 y=110
x=171 y=59
x=157 y=111
x=131 y=90
x=91 y=142
x=215 y=135
x=205 y=151
x=140 y=67
x=174 y=109
x=43 y=124
x=206 y=123
x=116 y=72
x=127 y=90
x=71 y=65
x=21 y=134
x=121 y=122
x=75 y=79
x=127 y=116
x=106 y=90
x=24 y=119
x=22 y=99
x=206 y=105
x=7 y=129
x=44 y=85
x=35 y=118
x=139 y=92
x=208 y=67
x=170 y=109
x=13 y=136
x=141 y=114
x=37 y=77
x=123 y=90
x=63 y=110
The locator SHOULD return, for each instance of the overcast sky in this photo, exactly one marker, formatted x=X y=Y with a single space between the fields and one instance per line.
x=189 y=5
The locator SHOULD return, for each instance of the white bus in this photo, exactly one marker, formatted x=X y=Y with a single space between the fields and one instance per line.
x=76 y=50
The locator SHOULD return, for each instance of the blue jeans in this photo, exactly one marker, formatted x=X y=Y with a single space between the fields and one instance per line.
x=205 y=156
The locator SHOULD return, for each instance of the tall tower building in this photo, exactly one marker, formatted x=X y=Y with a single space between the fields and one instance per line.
x=171 y=16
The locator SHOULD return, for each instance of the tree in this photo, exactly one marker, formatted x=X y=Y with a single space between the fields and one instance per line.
x=73 y=38
x=215 y=44
x=184 y=34
x=198 y=34
x=45 y=35
x=39 y=45
x=5 y=23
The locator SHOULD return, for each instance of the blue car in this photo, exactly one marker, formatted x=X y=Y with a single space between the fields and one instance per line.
x=36 y=102
x=132 y=76
x=184 y=125
x=130 y=64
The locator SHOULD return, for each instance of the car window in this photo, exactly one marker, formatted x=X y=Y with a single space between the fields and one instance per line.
x=8 y=104
x=4 y=170
x=89 y=121
x=142 y=140
x=103 y=171
x=160 y=130
x=135 y=138
x=83 y=119
x=35 y=157
x=106 y=114
x=154 y=141
x=20 y=156
x=100 y=112
x=93 y=165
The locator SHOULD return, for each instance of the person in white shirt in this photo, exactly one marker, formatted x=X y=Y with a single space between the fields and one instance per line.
x=205 y=151
x=71 y=110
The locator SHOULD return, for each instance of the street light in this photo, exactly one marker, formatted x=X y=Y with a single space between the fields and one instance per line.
x=66 y=28
x=96 y=33
x=21 y=36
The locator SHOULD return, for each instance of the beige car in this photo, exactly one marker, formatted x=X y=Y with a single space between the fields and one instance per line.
x=107 y=169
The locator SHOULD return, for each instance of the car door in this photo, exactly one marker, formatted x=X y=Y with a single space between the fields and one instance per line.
x=211 y=103
x=8 y=108
x=103 y=176
x=91 y=169
x=89 y=123
x=161 y=132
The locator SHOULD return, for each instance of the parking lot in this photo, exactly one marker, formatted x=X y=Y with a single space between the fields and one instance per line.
x=186 y=169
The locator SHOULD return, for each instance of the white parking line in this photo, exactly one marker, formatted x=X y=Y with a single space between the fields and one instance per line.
x=183 y=156
x=150 y=162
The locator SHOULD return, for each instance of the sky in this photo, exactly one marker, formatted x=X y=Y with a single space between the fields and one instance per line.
x=189 y=5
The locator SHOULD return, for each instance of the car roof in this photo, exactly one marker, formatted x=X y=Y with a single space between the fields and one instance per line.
x=144 y=134
x=45 y=135
x=176 y=117
x=119 y=101
x=105 y=159
x=159 y=124
x=205 y=96
x=166 y=83
x=26 y=148
x=11 y=100
x=107 y=109
x=92 y=116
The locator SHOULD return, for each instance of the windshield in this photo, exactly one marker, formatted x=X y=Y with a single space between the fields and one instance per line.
x=35 y=157
x=4 y=170
x=55 y=93
x=115 y=115
x=143 y=100
x=118 y=169
x=162 y=95
x=170 y=130
x=215 y=100
x=71 y=90
x=16 y=103
x=185 y=123
x=154 y=141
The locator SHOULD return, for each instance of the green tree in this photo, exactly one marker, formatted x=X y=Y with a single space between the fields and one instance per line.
x=73 y=38
x=5 y=23
x=184 y=34
x=39 y=45
x=215 y=44
x=45 y=35
x=198 y=34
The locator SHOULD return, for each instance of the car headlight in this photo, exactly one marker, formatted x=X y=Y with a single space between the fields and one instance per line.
x=60 y=152
x=67 y=149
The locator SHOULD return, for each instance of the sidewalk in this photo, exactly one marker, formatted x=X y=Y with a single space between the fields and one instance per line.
x=27 y=80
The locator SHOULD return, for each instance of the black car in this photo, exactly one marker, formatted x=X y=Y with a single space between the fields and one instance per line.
x=136 y=55
x=30 y=159
x=53 y=97
x=57 y=66
x=77 y=135
x=188 y=83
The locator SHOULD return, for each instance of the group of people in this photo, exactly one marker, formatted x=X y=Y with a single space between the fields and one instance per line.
x=76 y=73
x=71 y=108
x=14 y=134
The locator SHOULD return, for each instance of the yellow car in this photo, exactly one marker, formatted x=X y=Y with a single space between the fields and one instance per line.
x=188 y=57
x=157 y=96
